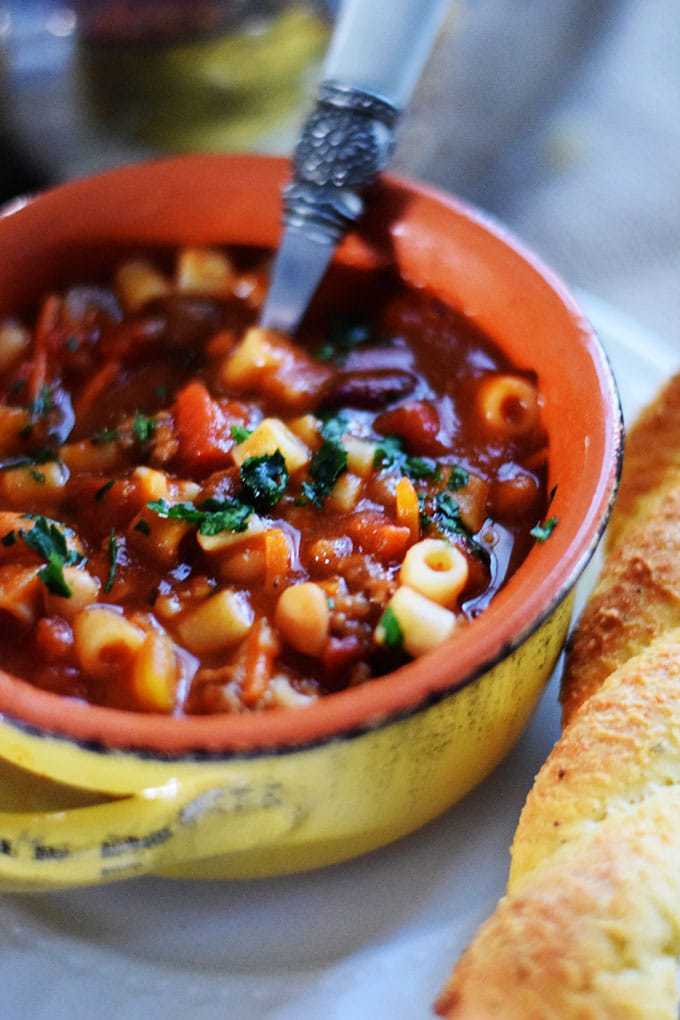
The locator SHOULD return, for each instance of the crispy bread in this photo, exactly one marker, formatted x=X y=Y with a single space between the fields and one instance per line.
x=590 y=928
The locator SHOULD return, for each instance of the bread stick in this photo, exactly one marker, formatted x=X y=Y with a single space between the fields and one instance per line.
x=590 y=927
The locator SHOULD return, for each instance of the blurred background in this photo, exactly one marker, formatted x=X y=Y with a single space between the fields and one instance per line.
x=559 y=117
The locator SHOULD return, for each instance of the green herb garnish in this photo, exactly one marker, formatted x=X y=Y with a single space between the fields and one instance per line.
x=458 y=478
x=542 y=532
x=106 y=487
x=37 y=476
x=212 y=517
x=447 y=515
x=343 y=338
x=72 y=344
x=391 y=455
x=264 y=479
x=113 y=549
x=328 y=463
x=392 y=633
x=239 y=434
x=143 y=427
x=10 y=538
x=48 y=540
x=43 y=403
x=334 y=427
x=143 y=526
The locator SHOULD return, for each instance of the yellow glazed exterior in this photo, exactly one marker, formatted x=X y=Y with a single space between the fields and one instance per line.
x=262 y=815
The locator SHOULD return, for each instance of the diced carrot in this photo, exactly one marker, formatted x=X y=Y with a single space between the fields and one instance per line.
x=203 y=430
x=258 y=652
x=276 y=558
x=375 y=534
x=417 y=423
x=408 y=510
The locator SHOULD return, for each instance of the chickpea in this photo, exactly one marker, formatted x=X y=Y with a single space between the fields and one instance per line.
x=303 y=617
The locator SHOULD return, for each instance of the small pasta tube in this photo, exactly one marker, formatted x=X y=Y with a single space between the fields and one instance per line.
x=346 y=493
x=303 y=617
x=255 y=354
x=204 y=271
x=216 y=624
x=97 y=458
x=360 y=455
x=269 y=436
x=14 y=340
x=228 y=540
x=138 y=282
x=150 y=483
x=307 y=428
x=104 y=641
x=424 y=624
x=245 y=565
x=436 y=569
x=157 y=537
x=33 y=486
x=508 y=404
x=407 y=507
x=84 y=591
x=154 y=674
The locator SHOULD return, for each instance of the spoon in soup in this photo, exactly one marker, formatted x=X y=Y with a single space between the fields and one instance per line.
x=377 y=51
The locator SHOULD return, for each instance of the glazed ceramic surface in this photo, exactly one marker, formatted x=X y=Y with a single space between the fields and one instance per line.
x=291 y=790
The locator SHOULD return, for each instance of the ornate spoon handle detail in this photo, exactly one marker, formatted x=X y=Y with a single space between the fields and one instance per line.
x=345 y=142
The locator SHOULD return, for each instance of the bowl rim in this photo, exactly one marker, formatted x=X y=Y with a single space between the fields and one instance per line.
x=382 y=700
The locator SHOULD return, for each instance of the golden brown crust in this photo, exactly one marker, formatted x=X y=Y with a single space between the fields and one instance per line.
x=652 y=461
x=636 y=599
x=580 y=941
x=624 y=742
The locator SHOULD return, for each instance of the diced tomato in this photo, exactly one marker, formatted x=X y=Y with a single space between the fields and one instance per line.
x=203 y=429
x=375 y=534
x=418 y=425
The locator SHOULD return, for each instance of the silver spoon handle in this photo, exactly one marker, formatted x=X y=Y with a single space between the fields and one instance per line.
x=376 y=54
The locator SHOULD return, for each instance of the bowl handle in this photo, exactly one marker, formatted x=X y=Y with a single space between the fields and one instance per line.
x=154 y=829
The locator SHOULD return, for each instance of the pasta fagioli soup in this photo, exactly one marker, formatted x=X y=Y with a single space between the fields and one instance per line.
x=199 y=516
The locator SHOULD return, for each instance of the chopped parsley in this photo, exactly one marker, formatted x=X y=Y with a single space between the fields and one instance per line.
x=264 y=479
x=239 y=434
x=143 y=526
x=447 y=515
x=106 y=487
x=48 y=539
x=37 y=476
x=458 y=478
x=392 y=633
x=542 y=532
x=212 y=517
x=334 y=427
x=113 y=548
x=143 y=427
x=10 y=538
x=344 y=337
x=72 y=344
x=391 y=455
x=105 y=436
x=328 y=463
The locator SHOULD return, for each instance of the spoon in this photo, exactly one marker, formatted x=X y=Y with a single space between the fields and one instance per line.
x=376 y=54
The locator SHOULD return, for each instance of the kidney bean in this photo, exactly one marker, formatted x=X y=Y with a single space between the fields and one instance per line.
x=418 y=424
x=370 y=390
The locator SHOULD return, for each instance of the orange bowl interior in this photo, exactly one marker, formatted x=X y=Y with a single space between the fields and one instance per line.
x=435 y=242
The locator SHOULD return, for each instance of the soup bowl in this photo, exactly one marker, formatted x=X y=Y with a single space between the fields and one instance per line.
x=92 y=794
